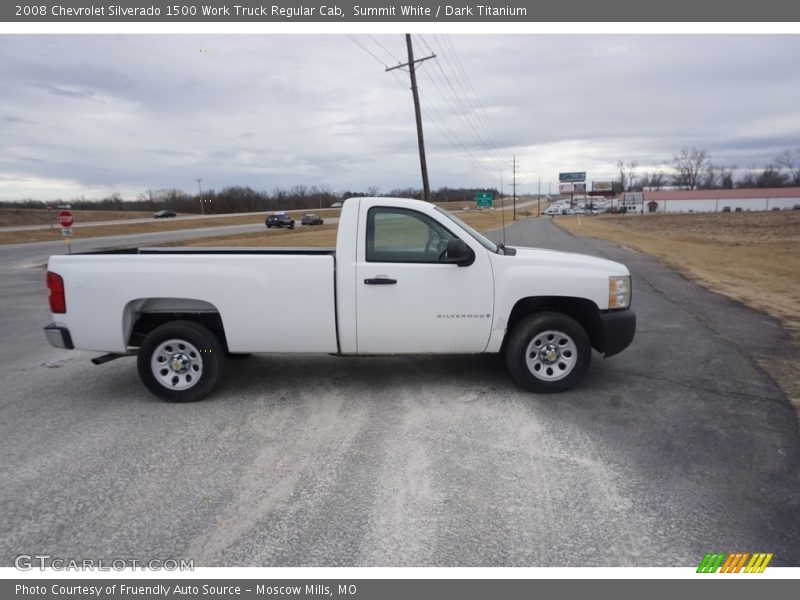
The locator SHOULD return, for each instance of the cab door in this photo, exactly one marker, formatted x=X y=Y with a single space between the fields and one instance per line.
x=408 y=299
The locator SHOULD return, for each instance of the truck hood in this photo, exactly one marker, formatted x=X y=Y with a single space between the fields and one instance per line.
x=567 y=260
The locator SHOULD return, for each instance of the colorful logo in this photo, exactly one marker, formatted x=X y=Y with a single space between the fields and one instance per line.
x=735 y=562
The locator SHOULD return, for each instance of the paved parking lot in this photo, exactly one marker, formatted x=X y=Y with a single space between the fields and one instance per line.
x=679 y=446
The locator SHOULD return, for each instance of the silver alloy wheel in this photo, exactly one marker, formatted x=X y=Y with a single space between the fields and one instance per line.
x=551 y=355
x=177 y=364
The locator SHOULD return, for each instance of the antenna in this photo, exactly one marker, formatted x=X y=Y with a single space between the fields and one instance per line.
x=502 y=207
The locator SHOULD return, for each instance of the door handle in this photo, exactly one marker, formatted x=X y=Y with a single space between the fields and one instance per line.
x=380 y=281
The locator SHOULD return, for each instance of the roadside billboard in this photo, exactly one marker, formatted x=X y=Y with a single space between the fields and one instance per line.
x=602 y=186
x=572 y=176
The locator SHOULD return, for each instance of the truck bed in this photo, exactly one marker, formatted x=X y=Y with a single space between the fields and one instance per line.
x=270 y=299
x=310 y=251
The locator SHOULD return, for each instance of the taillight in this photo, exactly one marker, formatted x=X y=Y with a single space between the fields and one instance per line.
x=58 y=302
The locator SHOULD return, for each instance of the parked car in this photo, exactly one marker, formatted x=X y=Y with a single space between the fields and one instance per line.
x=312 y=220
x=164 y=214
x=280 y=219
x=448 y=289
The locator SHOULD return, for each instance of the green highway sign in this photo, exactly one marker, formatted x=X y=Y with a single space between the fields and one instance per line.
x=484 y=199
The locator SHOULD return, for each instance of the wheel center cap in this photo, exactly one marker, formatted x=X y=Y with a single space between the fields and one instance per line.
x=178 y=362
x=548 y=354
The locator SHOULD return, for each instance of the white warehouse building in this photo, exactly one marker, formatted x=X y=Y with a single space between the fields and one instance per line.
x=719 y=200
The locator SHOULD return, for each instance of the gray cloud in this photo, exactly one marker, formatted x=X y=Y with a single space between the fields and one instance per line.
x=93 y=115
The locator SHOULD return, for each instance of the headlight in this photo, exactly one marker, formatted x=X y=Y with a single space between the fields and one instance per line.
x=619 y=291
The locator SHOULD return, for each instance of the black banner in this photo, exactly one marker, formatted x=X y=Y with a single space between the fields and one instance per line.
x=366 y=11
x=394 y=589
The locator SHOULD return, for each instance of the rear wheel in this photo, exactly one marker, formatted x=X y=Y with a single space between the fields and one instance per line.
x=180 y=361
x=548 y=352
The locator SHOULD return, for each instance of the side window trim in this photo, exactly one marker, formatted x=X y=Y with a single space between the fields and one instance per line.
x=370 y=234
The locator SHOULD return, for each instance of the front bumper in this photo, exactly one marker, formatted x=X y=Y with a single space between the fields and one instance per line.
x=618 y=329
x=58 y=336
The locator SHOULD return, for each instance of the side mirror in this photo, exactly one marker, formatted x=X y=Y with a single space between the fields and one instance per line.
x=459 y=253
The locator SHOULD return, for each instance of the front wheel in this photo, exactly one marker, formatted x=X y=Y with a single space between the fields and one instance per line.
x=548 y=352
x=180 y=361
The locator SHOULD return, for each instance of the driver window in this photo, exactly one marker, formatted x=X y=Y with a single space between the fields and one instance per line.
x=402 y=235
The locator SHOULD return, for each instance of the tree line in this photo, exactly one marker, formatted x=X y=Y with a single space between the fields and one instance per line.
x=237 y=199
x=693 y=169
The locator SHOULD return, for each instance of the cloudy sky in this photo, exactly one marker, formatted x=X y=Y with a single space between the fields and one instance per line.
x=93 y=115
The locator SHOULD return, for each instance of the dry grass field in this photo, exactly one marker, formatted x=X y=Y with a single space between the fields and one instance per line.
x=13 y=217
x=753 y=257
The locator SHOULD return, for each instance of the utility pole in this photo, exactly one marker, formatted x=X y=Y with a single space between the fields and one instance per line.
x=539 y=198
x=514 y=170
x=426 y=188
x=200 y=195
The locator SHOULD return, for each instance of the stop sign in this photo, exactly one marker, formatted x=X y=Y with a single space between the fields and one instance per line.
x=65 y=218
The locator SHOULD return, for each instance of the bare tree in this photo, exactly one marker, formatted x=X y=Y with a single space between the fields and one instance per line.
x=627 y=176
x=690 y=165
x=771 y=177
x=654 y=181
x=726 y=177
x=633 y=182
x=786 y=160
x=716 y=177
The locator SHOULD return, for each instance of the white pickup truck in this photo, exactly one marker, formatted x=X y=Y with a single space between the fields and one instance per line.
x=405 y=278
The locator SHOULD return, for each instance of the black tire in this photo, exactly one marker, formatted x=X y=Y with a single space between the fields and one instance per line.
x=291 y=225
x=195 y=349
x=548 y=352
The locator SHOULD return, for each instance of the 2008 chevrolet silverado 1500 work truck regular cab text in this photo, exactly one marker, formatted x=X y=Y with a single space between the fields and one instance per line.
x=405 y=278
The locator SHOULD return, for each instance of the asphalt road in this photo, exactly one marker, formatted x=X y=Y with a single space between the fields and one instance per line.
x=20 y=256
x=679 y=446
x=80 y=224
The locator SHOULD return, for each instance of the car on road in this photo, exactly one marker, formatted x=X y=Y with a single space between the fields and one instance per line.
x=336 y=204
x=165 y=214
x=406 y=277
x=310 y=219
x=280 y=219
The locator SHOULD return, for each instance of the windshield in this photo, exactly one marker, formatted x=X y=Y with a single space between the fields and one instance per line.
x=486 y=243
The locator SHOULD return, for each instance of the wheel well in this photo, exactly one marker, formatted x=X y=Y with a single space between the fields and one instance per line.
x=147 y=322
x=585 y=312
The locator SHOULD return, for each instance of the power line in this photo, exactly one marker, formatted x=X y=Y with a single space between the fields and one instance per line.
x=481 y=109
x=394 y=58
x=436 y=118
x=457 y=104
x=365 y=49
